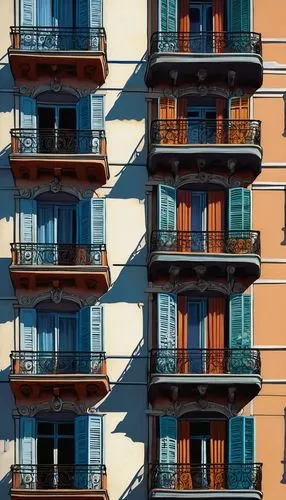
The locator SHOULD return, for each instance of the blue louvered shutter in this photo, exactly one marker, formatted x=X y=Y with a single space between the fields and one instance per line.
x=28 y=322
x=44 y=13
x=97 y=120
x=90 y=117
x=90 y=337
x=96 y=14
x=27 y=441
x=239 y=15
x=167 y=333
x=28 y=221
x=28 y=12
x=240 y=333
x=88 y=449
x=28 y=121
x=241 y=451
x=167 y=451
x=198 y=221
x=84 y=123
x=239 y=210
x=167 y=208
x=168 y=18
x=91 y=221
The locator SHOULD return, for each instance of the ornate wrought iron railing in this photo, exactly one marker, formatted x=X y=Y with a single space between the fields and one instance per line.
x=46 y=38
x=52 y=363
x=57 y=254
x=207 y=42
x=231 y=242
x=48 y=477
x=189 y=131
x=61 y=141
x=207 y=476
x=203 y=361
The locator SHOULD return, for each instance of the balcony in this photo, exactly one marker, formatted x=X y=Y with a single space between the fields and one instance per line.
x=217 y=369
x=197 y=481
x=215 y=143
x=223 y=59
x=36 y=375
x=74 y=153
x=59 y=481
x=45 y=53
x=214 y=256
x=71 y=265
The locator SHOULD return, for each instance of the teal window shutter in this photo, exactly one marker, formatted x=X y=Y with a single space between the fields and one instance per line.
x=241 y=451
x=28 y=112
x=167 y=451
x=168 y=17
x=84 y=113
x=167 y=332
x=96 y=13
x=28 y=322
x=27 y=441
x=90 y=116
x=239 y=15
x=46 y=331
x=44 y=13
x=82 y=13
x=28 y=221
x=28 y=13
x=90 y=336
x=167 y=208
x=91 y=221
x=240 y=321
x=239 y=209
x=97 y=112
x=88 y=448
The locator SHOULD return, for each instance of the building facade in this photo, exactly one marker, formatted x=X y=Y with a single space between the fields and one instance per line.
x=142 y=217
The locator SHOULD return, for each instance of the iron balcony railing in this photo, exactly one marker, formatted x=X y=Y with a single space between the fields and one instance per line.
x=206 y=476
x=60 y=141
x=230 y=242
x=205 y=361
x=46 y=477
x=207 y=42
x=45 y=38
x=53 y=363
x=60 y=254
x=190 y=131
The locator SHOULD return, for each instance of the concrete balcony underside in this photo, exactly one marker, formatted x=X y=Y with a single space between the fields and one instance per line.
x=205 y=494
x=248 y=69
x=241 y=156
x=89 y=167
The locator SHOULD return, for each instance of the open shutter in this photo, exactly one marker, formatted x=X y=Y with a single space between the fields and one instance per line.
x=28 y=221
x=28 y=321
x=97 y=112
x=96 y=14
x=241 y=451
x=168 y=15
x=90 y=337
x=91 y=221
x=90 y=116
x=239 y=210
x=239 y=15
x=240 y=333
x=28 y=13
x=88 y=450
x=167 y=333
x=27 y=441
x=28 y=112
x=167 y=452
x=167 y=208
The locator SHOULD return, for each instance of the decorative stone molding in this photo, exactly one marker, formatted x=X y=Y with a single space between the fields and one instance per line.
x=227 y=181
x=56 y=295
x=205 y=90
x=54 y=405
x=202 y=286
x=177 y=410
x=55 y=187
x=55 y=86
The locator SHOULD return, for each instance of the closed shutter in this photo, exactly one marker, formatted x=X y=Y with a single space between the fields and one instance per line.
x=88 y=450
x=28 y=13
x=28 y=221
x=241 y=451
x=167 y=208
x=28 y=112
x=97 y=112
x=167 y=333
x=96 y=13
x=82 y=13
x=240 y=333
x=91 y=221
x=167 y=452
x=168 y=15
x=44 y=13
x=27 y=441
x=90 y=337
x=90 y=117
x=239 y=210
x=28 y=321
x=239 y=15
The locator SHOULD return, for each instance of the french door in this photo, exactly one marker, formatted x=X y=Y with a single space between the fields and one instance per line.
x=201 y=27
x=200 y=454
x=198 y=221
x=57 y=128
x=201 y=125
x=196 y=340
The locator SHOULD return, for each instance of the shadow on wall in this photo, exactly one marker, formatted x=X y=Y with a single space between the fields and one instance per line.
x=7 y=199
x=6 y=427
x=130 y=104
x=283 y=480
x=5 y=485
x=6 y=288
x=137 y=489
x=131 y=180
x=4 y=155
x=6 y=83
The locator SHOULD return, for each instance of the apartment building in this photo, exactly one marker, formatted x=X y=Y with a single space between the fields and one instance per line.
x=142 y=217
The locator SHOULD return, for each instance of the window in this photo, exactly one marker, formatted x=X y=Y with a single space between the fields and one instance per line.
x=200 y=453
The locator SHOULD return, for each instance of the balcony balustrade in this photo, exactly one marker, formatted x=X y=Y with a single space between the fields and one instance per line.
x=42 y=262
x=224 y=478
x=213 y=141
x=205 y=57
x=76 y=52
x=56 y=363
x=40 y=151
